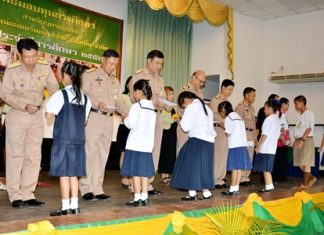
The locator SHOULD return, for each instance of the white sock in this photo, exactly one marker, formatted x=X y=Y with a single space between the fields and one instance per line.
x=269 y=186
x=237 y=187
x=232 y=189
x=74 y=204
x=144 y=196
x=192 y=193
x=137 y=196
x=206 y=193
x=65 y=204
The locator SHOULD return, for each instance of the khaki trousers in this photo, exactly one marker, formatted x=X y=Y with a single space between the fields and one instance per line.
x=157 y=145
x=181 y=136
x=220 y=156
x=245 y=175
x=24 y=135
x=98 y=140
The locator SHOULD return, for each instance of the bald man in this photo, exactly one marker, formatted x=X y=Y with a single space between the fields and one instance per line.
x=195 y=85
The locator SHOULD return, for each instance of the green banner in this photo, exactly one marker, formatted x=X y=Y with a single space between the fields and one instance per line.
x=60 y=29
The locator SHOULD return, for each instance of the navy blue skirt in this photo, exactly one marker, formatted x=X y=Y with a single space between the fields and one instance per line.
x=263 y=162
x=238 y=159
x=68 y=160
x=137 y=164
x=194 y=167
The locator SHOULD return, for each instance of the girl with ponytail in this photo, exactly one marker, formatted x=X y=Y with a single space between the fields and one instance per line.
x=71 y=109
x=267 y=145
x=194 y=167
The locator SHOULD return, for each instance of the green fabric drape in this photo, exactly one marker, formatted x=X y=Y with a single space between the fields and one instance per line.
x=149 y=30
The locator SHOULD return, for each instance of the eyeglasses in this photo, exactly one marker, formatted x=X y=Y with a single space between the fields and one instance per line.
x=201 y=81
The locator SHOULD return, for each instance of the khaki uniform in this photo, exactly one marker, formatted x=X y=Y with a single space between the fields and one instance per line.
x=157 y=84
x=221 y=145
x=24 y=131
x=99 y=87
x=247 y=113
x=181 y=135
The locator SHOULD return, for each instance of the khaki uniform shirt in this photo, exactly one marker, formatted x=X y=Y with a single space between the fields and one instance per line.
x=157 y=85
x=247 y=113
x=215 y=101
x=101 y=87
x=21 y=87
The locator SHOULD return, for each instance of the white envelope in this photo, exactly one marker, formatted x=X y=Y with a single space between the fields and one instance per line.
x=166 y=102
x=250 y=143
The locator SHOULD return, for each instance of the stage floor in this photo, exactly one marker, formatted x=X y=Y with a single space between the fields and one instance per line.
x=48 y=191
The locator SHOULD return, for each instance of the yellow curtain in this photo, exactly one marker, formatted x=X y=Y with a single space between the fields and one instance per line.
x=198 y=10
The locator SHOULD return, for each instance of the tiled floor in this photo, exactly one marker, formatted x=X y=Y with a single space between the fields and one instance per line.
x=48 y=191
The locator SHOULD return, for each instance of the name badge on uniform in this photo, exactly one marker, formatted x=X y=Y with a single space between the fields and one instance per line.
x=98 y=80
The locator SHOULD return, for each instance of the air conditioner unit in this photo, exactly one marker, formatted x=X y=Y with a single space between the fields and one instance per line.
x=297 y=78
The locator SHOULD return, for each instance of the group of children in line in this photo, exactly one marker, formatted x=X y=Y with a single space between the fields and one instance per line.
x=193 y=167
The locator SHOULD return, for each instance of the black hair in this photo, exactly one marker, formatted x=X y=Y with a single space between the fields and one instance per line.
x=126 y=90
x=144 y=86
x=75 y=71
x=273 y=97
x=248 y=90
x=27 y=44
x=110 y=53
x=227 y=83
x=274 y=104
x=227 y=106
x=301 y=98
x=190 y=95
x=155 y=53
x=282 y=101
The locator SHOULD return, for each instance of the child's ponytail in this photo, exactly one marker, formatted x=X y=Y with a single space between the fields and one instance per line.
x=190 y=95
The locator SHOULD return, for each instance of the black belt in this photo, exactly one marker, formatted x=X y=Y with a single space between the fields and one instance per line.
x=249 y=129
x=100 y=112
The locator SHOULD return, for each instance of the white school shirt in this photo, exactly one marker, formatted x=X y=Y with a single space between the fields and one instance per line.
x=235 y=128
x=284 y=122
x=304 y=121
x=141 y=122
x=56 y=101
x=271 y=129
x=197 y=123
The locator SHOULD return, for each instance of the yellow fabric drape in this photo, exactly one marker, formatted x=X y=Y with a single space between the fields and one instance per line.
x=291 y=206
x=197 y=11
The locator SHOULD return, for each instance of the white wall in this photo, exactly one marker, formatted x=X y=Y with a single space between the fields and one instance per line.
x=113 y=8
x=209 y=53
x=297 y=44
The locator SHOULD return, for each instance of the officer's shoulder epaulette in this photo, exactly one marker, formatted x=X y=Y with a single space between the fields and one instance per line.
x=14 y=64
x=185 y=87
x=42 y=61
x=217 y=97
x=90 y=70
x=139 y=71
x=241 y=103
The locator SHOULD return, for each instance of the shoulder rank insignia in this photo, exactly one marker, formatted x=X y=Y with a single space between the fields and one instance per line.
x=14 y=64
x=42 y=61
x=138 y=71
x=90 y=70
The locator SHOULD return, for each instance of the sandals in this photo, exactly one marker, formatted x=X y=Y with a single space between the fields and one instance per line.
x=165 y=180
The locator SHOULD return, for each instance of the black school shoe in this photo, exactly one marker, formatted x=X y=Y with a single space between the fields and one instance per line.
x=134 y=203
x=189 y=198
x=18 y=204
x=205 y=198
x=75 y=211
x=247 y=184
x=102 y=197
x=33 y=202
x=154 y=192
x=221 y=186
x=89 y=197
x=229 y=193
x=145 y=202
x=61 y=212
x=265 y=190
